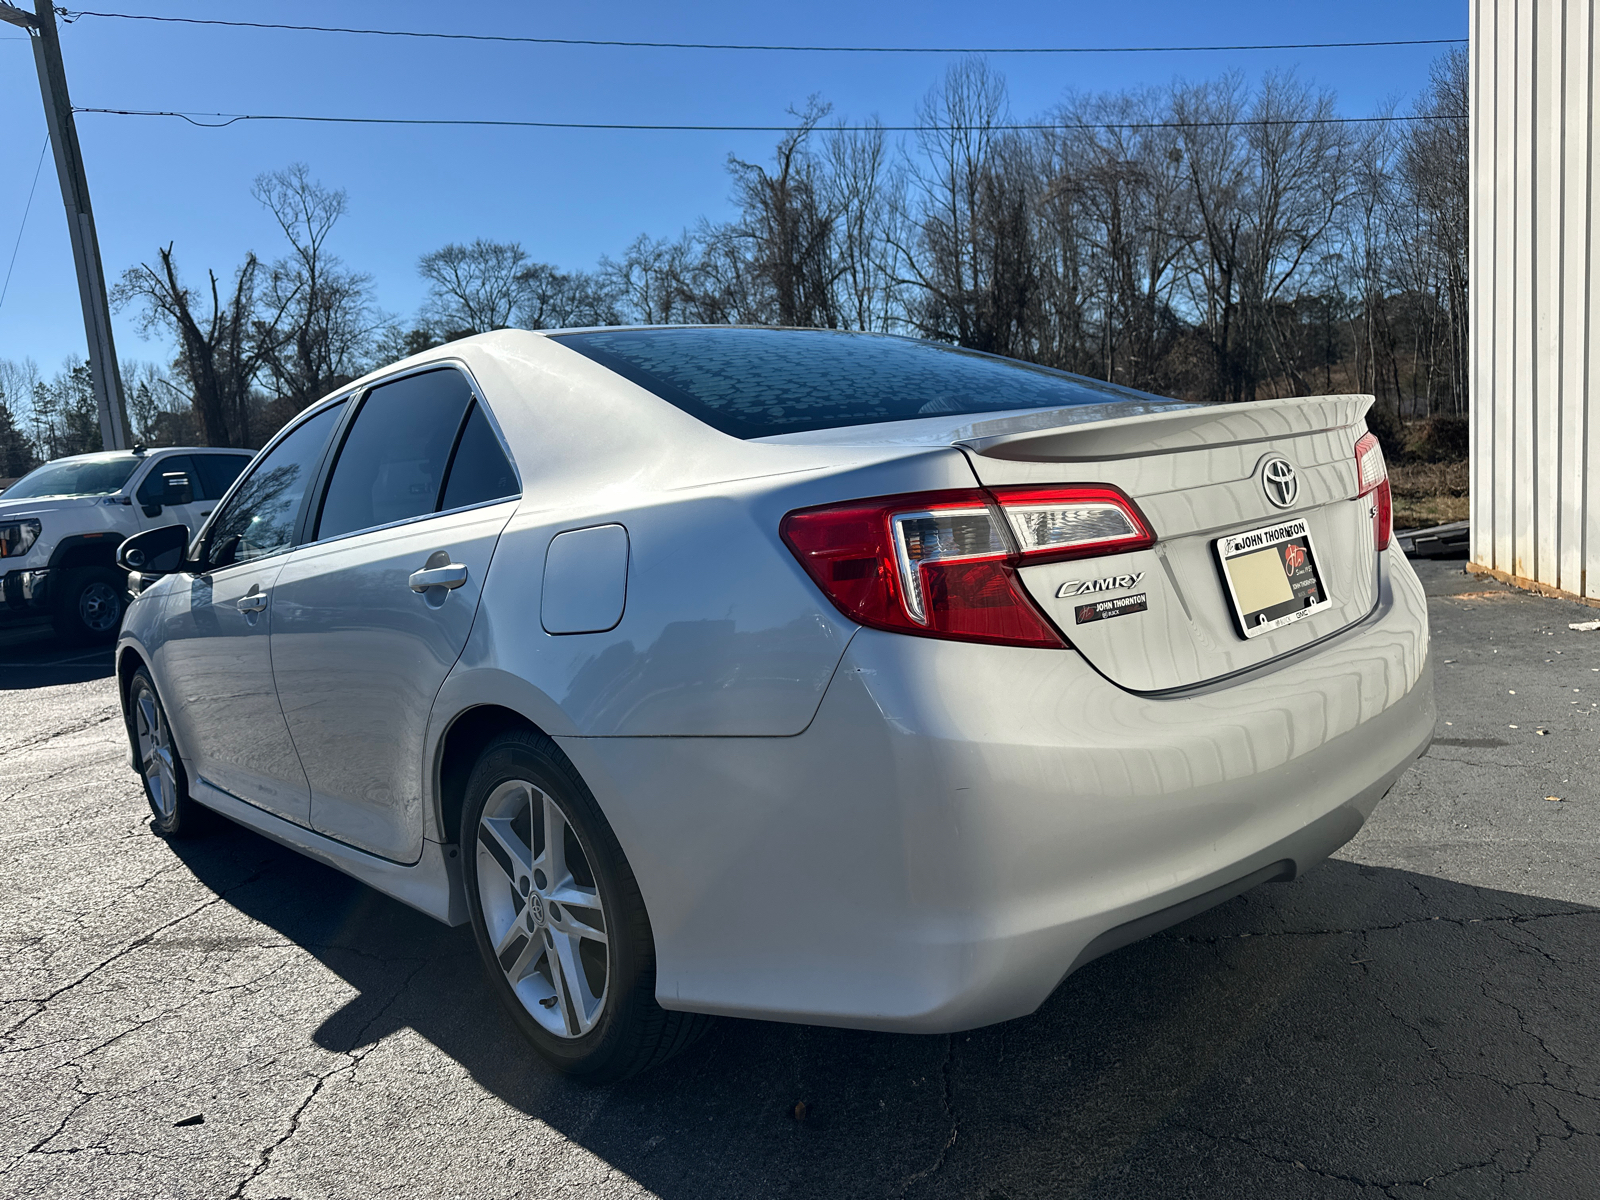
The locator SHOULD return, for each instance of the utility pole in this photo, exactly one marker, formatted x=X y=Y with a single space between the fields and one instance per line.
x=41 y=27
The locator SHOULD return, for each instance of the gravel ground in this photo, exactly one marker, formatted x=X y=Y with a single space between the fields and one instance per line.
x=1415 y=1018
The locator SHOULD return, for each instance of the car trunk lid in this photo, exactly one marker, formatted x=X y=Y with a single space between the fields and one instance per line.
x=1166 y=618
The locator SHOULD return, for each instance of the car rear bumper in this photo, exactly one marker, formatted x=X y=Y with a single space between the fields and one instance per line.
x=961 y=826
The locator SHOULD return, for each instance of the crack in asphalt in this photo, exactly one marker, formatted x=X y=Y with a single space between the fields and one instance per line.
x=356 y=1054
x=1516 y=919
x=39 y=1146
x=1342 y=1177
x=127 y=948
x=947 y=1099
x=114 y=713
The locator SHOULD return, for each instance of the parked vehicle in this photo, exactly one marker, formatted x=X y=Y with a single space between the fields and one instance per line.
x=60 y=526
x=798 y=675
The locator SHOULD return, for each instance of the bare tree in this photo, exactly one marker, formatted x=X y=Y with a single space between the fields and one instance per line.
x=973 y=257
x=787 y=227
x=554 y=299
x=647 y=282
x=17 y=380
x=1116 y=213
x=473 y=288
x=323 y=320
x=219 y=352
x=865 y=191
x=1430 y=219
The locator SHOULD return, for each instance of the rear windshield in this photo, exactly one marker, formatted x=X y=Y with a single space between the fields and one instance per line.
x=74 y=477
x=758 y=382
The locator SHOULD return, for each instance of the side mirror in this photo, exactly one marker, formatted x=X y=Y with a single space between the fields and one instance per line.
x=155 y=551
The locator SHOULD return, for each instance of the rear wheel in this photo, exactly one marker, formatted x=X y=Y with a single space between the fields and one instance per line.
x=558 y=916
x=166 y=786
x=87 y=603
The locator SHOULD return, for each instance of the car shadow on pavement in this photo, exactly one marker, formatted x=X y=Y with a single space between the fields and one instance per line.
x=31 y=656
x=1360 y=1027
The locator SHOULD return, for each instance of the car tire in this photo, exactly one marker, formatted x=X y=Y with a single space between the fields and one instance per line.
x=173 y=814
x=546 y=961
x=87 y=604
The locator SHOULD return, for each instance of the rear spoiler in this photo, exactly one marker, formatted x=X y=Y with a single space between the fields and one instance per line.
x=1080 y=437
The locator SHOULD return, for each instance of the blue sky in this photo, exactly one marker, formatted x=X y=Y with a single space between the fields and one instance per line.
x=567 y=196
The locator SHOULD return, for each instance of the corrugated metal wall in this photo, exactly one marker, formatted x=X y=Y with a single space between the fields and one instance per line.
x=1535 y=316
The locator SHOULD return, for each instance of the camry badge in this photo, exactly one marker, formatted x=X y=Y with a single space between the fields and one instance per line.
x=1279 y=481
x=1111 y=583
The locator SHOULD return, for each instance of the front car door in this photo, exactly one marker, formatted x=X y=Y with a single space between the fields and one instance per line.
x=373 y=612
x=214 y=662
x=171 y=494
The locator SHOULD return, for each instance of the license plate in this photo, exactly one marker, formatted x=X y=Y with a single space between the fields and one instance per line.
x=1272 y=576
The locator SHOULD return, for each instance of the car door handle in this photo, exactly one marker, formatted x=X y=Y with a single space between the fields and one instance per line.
x=451 y=575
x=253 y=603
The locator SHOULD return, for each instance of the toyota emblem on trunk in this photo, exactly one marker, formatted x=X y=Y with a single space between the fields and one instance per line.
x=1279 y=481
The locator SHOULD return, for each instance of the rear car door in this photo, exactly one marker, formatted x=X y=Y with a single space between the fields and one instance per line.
x=214 y=662
x=373 y=612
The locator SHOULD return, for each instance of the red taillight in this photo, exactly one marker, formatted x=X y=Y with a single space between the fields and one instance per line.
x=1372 y=476
x=943 y=564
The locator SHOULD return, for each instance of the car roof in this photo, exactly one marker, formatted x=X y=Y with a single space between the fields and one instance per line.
x=151 y=452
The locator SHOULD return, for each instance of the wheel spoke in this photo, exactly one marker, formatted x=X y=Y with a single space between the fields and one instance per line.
x=587 y=921
x=148 y=719
x=514 y=858
x=514 y=928
x=567 y=977
x=554 y=858
x=527 y=957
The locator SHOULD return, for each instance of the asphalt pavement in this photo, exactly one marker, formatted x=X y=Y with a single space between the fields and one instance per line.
x=1416 y=1018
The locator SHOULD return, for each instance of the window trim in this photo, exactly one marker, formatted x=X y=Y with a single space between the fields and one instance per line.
x=325 y=473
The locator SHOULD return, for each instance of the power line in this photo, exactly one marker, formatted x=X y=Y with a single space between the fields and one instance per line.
x=26 y=209
x=609 y=42
x=223 y=120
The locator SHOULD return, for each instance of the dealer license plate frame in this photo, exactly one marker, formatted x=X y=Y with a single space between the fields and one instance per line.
x=1305 y=580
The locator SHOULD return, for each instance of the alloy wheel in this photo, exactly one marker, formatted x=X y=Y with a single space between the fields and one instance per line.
x=155 y=753
x=542 y=909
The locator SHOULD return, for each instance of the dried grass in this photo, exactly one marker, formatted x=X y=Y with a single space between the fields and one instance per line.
x=1429 y=493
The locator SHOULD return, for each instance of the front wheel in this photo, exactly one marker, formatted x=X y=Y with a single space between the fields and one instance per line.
x=166 y=786
x=558 y=916
x=87 y=603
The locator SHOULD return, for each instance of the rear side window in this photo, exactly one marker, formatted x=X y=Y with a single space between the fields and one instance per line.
x=393 y=461
x=758 y=382
x=259 y=519
x=480 y=470
x=217 y=473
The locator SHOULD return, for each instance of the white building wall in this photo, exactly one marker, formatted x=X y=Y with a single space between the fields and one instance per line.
x=1535 y=317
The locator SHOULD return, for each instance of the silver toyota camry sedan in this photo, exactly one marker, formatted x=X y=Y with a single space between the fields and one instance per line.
x=806 y=676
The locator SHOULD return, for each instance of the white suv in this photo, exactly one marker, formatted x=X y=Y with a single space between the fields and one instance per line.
x=61 y=524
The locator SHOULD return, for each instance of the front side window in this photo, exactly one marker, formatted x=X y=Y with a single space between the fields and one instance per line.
x=392 y=464
x=170 y=479
x=75 y=477
x=260 y=518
